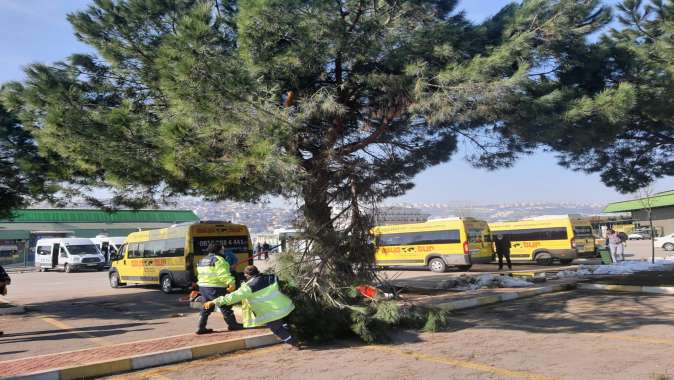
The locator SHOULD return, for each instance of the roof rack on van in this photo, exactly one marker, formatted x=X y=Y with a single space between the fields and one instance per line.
x=445 y=219
x=182 y=224
x=216 y=221
x=544 y=217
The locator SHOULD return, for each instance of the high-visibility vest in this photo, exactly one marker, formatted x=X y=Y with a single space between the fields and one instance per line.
x=259 y=308
x=213 y=271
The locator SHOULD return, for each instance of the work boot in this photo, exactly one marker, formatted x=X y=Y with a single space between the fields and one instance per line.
x=203 y=331
x=234 y=326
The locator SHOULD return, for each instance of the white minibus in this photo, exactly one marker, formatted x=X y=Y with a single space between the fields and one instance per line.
x=69 y=254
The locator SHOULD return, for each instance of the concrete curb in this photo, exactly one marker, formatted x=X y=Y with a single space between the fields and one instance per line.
x=629 y=288
x=497 y=298
x=132 y=363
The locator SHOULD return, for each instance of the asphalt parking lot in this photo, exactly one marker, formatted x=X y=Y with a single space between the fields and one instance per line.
x=69 y=311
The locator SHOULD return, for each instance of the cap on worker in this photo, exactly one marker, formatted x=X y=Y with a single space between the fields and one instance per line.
x=251 y=270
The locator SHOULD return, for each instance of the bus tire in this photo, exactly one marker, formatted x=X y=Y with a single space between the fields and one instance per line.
x=166 y=284
x=463 y=268
x=437 y=265
x=543 y=258
x=67 y=268
x=566 y=261
x=115 y=281
x=668 y=247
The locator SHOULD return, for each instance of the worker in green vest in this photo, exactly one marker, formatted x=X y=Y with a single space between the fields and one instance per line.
x=215 y=280
x=262 y=304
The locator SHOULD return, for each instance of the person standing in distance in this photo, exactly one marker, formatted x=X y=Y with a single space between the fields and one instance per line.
x=215 y=280
x=502 y=245
x=4 y=281
x=615 y=246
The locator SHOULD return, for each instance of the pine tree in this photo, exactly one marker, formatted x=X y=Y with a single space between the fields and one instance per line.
x=607 y=106
x=337 y=103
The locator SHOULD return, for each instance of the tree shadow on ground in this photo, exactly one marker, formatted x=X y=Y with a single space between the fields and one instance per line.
x=101 y=332
x=573 y=312
x=127 y=306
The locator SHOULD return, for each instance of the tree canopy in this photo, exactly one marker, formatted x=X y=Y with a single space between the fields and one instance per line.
x=341 y=103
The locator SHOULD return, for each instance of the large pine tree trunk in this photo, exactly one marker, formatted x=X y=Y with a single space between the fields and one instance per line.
x=327 y=242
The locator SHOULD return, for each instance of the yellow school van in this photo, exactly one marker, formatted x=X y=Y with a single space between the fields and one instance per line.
x=544 y=239
x=168 y=256
x=436 y=244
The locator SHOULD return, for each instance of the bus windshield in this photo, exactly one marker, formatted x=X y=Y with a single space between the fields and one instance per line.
x=236 y=243
x=582 y=230
x=87 y=249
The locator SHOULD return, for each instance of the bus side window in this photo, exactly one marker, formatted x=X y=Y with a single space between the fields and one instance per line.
x=62 y=252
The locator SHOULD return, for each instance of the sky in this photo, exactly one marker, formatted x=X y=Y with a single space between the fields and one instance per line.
x=36 y=31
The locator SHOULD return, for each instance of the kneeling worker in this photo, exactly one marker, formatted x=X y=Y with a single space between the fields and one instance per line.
x=262 y=303
x=215 y=280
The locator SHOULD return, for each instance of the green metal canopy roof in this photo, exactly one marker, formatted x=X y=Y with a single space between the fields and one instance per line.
x=656 y=200
x=100 y=216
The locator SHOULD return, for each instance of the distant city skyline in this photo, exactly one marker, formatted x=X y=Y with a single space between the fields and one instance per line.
x=33 y=31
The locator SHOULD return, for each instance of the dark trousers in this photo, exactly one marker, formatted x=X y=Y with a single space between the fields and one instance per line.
x=280 y=329
x=209 y=294
x=500 y=259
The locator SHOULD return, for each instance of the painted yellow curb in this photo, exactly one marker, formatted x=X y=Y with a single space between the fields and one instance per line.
x=629 y=288
x=114 y=366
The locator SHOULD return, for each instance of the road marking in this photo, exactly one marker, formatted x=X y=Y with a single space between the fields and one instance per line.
x=64 y=326
x=463 y=364
x=628 y=338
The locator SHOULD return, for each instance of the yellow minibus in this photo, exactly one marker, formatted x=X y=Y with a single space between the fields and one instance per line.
x=544 y=239
x=436 y=244
x=168 y=256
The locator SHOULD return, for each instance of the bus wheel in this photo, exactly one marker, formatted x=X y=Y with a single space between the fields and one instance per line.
x=67 y=269
x=437 y=265
x=166 y=284
x=115 y=281
x=668 y=247
x=464 y=268
x=543 y=258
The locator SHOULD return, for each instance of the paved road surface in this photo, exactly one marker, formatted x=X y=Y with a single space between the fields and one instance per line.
x=573 y=335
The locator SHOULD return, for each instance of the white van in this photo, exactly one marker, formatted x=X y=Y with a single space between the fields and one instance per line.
x=108 y=245
x=69 y=254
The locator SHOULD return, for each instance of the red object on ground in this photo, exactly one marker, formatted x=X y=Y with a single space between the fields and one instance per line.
x=367 y=291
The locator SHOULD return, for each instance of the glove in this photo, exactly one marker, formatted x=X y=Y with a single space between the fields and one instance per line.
x=209 y=305
x=231 y=288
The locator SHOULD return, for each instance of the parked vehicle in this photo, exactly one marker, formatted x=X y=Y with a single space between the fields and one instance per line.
x=665 y=242
x=167 y=256
x=636 y=236
x=437 y=244
x=68 y=254
x=543 y=239
x=109 y=245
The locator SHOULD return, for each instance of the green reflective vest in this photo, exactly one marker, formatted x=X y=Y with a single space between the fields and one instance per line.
x=259 y=308
x=213 y=271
